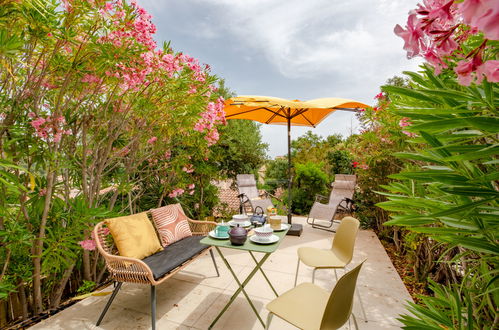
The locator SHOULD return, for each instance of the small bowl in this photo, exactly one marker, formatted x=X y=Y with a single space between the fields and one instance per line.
x=263 y=233
x=240 y=218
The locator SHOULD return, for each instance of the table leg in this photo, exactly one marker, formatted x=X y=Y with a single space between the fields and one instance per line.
x=241 y=287
x=264 y=275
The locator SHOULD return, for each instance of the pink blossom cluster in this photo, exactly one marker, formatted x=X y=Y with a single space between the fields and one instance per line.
x=91 y=79
x=139 y=30
x=152 y=140
x=49 y=128
x=189 y=168
x=437 y=28
x=176 y=192
x=213 y=115
x=191 y=188
x=89 y=243
x=404 y=122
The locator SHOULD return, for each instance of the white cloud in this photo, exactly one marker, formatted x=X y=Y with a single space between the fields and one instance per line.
x=293 y=48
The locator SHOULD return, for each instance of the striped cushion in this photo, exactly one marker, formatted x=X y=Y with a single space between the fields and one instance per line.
x=171 y=223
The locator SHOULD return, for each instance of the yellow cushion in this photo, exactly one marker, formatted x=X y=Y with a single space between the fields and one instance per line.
x=134 y=236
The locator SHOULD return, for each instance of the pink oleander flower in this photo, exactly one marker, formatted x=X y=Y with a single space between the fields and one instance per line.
x=409 y=134
x=435 y=60
x=191 y=192
x=380 y=96
x=192 y=90
x=168 y=154
x=364 y=166
x=188 y=168
x=90 y=78
x=482 y=14
x=88 y=244
x=191 y=186
x=176 y=192
x=152 y=140
x=489 y=70
x=404 y=122
x=464 y=70
x=412 y=35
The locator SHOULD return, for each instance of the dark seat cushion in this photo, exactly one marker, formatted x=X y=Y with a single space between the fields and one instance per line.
x=174 y=255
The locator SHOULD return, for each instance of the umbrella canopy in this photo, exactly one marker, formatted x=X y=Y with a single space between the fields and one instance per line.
x=274 y=110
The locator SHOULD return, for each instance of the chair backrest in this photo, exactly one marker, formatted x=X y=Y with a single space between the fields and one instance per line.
x=344 y=239
x=340 y=303
x=246 y=184
x=342 y=190
x=345 y=177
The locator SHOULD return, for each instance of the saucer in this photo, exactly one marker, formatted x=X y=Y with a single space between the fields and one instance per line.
x=283 y=227
x=272 y=239
x=233 y=223
x=213 y=235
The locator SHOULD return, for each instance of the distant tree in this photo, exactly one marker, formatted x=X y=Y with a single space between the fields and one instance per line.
x=240 y=148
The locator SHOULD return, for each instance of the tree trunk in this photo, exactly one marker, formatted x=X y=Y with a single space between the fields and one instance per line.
x=22 y=299
x=38 y=247
x=58 y=290
x=86 y=266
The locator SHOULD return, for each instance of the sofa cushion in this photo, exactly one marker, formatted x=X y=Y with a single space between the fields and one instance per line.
x=174 y=255
x=171 y=223
x=134 y=235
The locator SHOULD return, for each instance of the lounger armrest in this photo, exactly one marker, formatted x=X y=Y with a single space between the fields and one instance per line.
x=321 y=198
x=201 y=227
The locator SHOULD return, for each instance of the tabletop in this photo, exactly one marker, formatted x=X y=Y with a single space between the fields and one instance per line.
x=248 y=245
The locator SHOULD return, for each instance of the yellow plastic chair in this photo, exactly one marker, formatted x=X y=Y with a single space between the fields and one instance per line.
x=308 y=306
x=338 y=257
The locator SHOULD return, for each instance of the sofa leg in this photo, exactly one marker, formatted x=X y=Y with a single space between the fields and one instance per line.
x=214 y=262
x=153 y=307
x=109 y=302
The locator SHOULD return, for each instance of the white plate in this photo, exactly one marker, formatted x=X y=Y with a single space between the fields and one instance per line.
x=213 y=235
x=240 y=223
x=283 y=227
x=272 y=239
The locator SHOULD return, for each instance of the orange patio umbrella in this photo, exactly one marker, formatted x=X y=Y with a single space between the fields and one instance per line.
x=274 y=110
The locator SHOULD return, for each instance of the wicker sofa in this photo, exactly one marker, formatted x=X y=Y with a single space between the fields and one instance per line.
x=156 y=268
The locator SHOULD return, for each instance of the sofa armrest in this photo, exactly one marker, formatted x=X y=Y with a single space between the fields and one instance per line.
x=201 y=227
x=124 y=269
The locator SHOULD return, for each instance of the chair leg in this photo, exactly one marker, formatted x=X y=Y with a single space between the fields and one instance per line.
x=358 y=297
x=361 y=305
x=335 y=274
x=313 y=275
x=214 y=262
x=153 y=307
x=109 y=302
x=297 y=267
x=269 y=319
x=355 y=321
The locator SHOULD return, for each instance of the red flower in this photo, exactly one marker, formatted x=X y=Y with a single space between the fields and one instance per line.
x=355 y=164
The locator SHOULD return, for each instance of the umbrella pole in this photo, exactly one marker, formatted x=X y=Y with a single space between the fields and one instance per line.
x=289 y=171
x=295 y=229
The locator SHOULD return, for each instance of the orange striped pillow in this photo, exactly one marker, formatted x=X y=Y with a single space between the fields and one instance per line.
x=171 y=223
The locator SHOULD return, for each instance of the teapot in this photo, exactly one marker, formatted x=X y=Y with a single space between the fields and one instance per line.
x=238 y=235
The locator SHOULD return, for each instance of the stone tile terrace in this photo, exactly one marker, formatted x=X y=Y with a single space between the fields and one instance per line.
x=193 y=297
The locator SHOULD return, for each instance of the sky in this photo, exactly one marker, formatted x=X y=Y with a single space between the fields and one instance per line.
x=293 y=49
